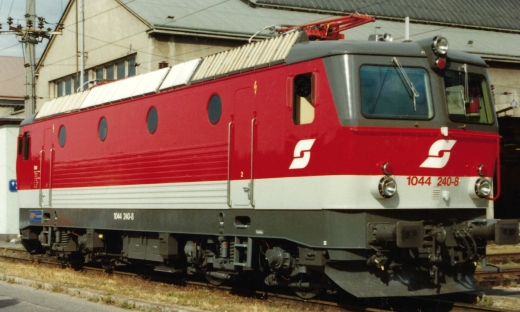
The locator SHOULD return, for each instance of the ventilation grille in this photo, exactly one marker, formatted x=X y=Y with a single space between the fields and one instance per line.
x=247 y=57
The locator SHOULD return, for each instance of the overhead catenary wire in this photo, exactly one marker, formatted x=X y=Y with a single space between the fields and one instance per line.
x=12 y=2
x=114 y=43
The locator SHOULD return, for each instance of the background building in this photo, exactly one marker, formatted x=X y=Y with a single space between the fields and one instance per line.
x=12 y=89
x=8 y=198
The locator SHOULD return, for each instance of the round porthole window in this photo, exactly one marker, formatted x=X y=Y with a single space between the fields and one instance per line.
x=152 y=120
x=103 y=129
x=62 y=136
x=214 y=109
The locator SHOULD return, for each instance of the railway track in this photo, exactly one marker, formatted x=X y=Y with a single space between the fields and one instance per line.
x=344 y=303
x=503 y=258
x=498 y=276
x=499 y=270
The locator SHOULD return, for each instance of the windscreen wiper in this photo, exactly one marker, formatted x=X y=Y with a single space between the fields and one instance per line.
x=415 y=94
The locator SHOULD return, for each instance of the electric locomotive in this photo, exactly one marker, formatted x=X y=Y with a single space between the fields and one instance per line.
x=314 y=165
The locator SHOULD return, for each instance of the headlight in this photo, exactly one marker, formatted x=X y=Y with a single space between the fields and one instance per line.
x=440 y=46
x=482 y=188
x=387 y=187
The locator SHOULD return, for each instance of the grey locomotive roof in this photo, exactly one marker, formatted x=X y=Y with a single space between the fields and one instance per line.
x=312 y=49
x=499 y=14
x=316 y=49
x=460 y=56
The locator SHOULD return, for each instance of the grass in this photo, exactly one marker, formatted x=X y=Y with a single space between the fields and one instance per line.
x=484 y=302
x=133 y=287
x=108 y=300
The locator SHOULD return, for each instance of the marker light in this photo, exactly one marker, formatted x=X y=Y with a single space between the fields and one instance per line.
x=440 y=46
x=440 y=63
x=482 y=170
x=387 y=187
x=388 y=170
x=482 y=188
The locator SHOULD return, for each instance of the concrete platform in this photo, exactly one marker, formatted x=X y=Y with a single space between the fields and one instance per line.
x=12 y=245
x=7 y=237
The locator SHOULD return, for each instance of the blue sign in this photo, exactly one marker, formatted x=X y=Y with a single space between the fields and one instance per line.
x=12 y=186
x=36 y=216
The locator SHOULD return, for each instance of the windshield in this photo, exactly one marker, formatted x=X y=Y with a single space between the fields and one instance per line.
x=387 y=93
x=473 y=106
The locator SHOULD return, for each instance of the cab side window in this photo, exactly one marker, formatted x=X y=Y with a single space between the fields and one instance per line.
x=303 y=99
x=472 y=105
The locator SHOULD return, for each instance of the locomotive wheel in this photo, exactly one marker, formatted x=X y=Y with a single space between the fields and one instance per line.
x=108 y=265
x=63 y=262
x=76 y=261
x=216 y=281
x=306 y=292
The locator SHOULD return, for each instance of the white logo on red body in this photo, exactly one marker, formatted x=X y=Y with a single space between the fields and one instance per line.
x=436 y=161
x=302 y=154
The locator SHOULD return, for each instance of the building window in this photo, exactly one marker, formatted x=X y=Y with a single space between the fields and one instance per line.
x=59 y=86
x=103 y=129
x=303 y=101
x=68 y=86
x=65 y=86
x=214 y=109
x=131 y=66
x=99 y=73
x=120 y=67
x=110 y=71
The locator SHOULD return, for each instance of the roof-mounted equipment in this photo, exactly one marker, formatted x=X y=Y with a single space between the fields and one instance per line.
x=377 y=37
x=330 y=29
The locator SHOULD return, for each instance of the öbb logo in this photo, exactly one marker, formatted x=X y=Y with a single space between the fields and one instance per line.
x=435 y=160
x=302 y=154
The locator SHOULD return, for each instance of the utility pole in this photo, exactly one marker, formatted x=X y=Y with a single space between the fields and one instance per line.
x=82 y=45
x=30 y=36
x=30 y=63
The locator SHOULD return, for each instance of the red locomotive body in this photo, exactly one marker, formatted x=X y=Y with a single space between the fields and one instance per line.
x=358 y=161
